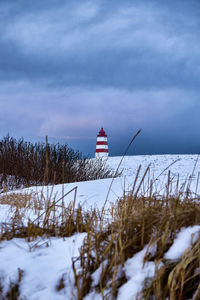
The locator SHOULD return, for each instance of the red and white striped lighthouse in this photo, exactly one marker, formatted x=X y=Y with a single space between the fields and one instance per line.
x=102 y=144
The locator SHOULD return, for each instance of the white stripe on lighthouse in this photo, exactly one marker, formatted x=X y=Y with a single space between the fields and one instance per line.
x=101 y=146
x=101 y=139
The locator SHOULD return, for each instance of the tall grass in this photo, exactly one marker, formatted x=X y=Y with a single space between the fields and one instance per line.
x=136 y=222
x=49 y=216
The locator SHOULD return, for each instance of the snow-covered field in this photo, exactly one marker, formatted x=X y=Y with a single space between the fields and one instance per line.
x=44 y=266
x=93 y=193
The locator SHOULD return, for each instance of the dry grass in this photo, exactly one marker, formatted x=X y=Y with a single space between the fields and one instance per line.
x=176 y=280
x=136 y=221
x=27 y=200
x=50 y=216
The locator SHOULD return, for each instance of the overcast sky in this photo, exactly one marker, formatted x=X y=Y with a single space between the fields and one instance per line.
x=69 y=67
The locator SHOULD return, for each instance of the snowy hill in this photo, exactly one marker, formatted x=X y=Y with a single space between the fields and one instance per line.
x=183 y=165
x=93 y=193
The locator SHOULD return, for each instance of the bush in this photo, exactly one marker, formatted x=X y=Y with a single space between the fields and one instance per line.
x=25 y=164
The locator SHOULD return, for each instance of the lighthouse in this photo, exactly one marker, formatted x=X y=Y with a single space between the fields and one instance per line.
x=102 y=144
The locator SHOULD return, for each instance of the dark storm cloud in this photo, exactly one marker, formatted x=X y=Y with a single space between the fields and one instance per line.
x=69 y=67
x=84 y=44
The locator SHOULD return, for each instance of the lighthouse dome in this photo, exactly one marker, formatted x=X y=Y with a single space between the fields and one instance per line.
x=102 y=133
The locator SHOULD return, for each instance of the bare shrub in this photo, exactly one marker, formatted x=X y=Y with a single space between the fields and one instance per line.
x=24 y=164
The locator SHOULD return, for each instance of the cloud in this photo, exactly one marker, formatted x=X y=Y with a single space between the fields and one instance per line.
x=75 y=111
x=74 y=41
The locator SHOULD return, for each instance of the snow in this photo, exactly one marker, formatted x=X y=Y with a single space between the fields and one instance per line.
x=93 y=296
x=136 y=274
x=185 y=238
x=43 y=266
x=4 y=213
x=44 y=263
x=97 y=274
x=182 y=166
x=90 y=194
x=136 y=271
x=93 y=193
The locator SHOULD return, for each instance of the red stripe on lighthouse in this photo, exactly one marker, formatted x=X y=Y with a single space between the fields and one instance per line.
x=101 y=150
x=102 y=143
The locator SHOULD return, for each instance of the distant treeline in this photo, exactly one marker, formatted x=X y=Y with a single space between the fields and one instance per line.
x=24 y=164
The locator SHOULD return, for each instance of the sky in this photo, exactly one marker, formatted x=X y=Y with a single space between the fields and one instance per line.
x=68 y=68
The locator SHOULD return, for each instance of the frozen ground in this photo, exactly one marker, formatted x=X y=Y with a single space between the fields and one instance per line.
x=43 y=266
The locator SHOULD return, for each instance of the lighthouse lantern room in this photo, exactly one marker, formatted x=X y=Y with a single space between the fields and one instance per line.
x=102 y=144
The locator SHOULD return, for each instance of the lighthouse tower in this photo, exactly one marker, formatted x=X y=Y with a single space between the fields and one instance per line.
x=102 y=144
